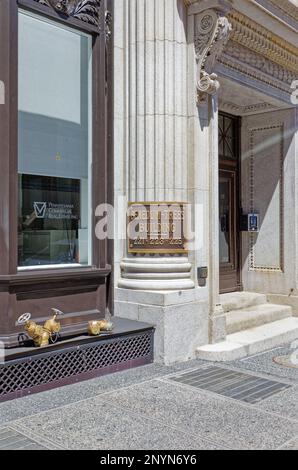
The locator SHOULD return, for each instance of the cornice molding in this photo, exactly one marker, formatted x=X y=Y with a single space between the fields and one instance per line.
x=240 y=44
x=222 y=5
x=253 y=66
x=248 y=109
x=246 y=56
x=258 y=39
x=83 y=10
x=279 y=8
x=285 y=7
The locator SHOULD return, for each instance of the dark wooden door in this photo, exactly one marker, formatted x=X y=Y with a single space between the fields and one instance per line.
x=229 y=204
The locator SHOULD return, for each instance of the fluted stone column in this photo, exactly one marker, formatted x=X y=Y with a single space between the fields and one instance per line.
x=165 y=143
x=156 y=107
x=152 y=163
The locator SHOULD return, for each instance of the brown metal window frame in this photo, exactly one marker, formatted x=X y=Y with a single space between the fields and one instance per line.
x=50 y=282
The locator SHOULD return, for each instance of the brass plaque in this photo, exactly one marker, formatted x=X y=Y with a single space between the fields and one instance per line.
x=157 y=227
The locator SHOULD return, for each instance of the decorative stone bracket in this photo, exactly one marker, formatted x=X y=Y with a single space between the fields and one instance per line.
x=212 y=31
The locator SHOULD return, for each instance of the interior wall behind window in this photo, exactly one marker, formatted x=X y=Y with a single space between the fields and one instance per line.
x=54 y=143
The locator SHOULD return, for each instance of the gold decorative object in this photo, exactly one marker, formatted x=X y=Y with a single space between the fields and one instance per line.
x=52 y=326
x=94 y=328
x=41 y=335
x=106 y=325
x=97 y=327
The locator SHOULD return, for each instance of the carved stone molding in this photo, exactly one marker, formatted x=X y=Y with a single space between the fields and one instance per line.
x=259 y=62
x=83 y=10
x=257 y=67
x=286 y=6
x=284 y=9
x=255 y=37
x=212 y=31
x=246 y=109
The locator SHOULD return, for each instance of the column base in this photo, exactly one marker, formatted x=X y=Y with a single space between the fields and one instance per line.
x=156 y=273
x=158 y=285
x=180 y=318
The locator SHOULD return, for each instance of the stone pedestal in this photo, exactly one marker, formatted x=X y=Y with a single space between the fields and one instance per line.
x=180 y=319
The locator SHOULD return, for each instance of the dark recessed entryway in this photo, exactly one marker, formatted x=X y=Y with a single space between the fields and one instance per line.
x=229 y=203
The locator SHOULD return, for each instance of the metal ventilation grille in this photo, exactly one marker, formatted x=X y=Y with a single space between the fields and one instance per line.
x=13 y=440
x=231 y=383
x=69 y=364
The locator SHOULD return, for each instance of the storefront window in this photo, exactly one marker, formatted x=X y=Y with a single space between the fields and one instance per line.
x=54 y=143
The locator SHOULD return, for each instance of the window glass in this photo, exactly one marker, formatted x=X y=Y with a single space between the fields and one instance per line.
x=224 y=220
x=227 y=138
x=54 y=143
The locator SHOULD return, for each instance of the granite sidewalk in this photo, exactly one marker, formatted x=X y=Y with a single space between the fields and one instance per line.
x=160 y=408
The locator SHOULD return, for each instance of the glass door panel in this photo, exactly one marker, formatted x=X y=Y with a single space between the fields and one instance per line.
x=224 y=220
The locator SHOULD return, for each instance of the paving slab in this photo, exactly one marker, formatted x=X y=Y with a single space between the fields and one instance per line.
x=291 y=445
x=263 y=362
x=222 y=420
x=99 y=425
x=284 y=404
x=143 y=409
x=31 y=405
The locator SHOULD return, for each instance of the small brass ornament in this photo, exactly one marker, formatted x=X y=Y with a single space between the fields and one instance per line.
x=101 y=326
x=94 y=328
x=106 y=325
x=42 y=335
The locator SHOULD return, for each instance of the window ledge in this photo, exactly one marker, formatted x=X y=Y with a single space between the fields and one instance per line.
x=53 y=275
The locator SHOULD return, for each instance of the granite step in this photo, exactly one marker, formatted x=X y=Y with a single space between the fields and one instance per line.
x=251 y=341
x=251 y=317
x=240 y=300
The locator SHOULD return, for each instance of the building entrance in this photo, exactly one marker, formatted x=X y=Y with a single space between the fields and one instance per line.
x=229 y=203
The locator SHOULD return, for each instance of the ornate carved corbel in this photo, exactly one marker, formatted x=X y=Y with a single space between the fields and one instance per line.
x=84 y=10
x=212 y=32
x=108 y=25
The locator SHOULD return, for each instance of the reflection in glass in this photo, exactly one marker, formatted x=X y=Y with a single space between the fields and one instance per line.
x=227 y=138
x=224 y=221
x=54 y=143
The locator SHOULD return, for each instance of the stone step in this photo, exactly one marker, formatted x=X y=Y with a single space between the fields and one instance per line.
x=251 y=317
x=239 y=300
x=252 y=341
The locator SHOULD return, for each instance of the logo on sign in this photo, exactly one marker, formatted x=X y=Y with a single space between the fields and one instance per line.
x=40 y=209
